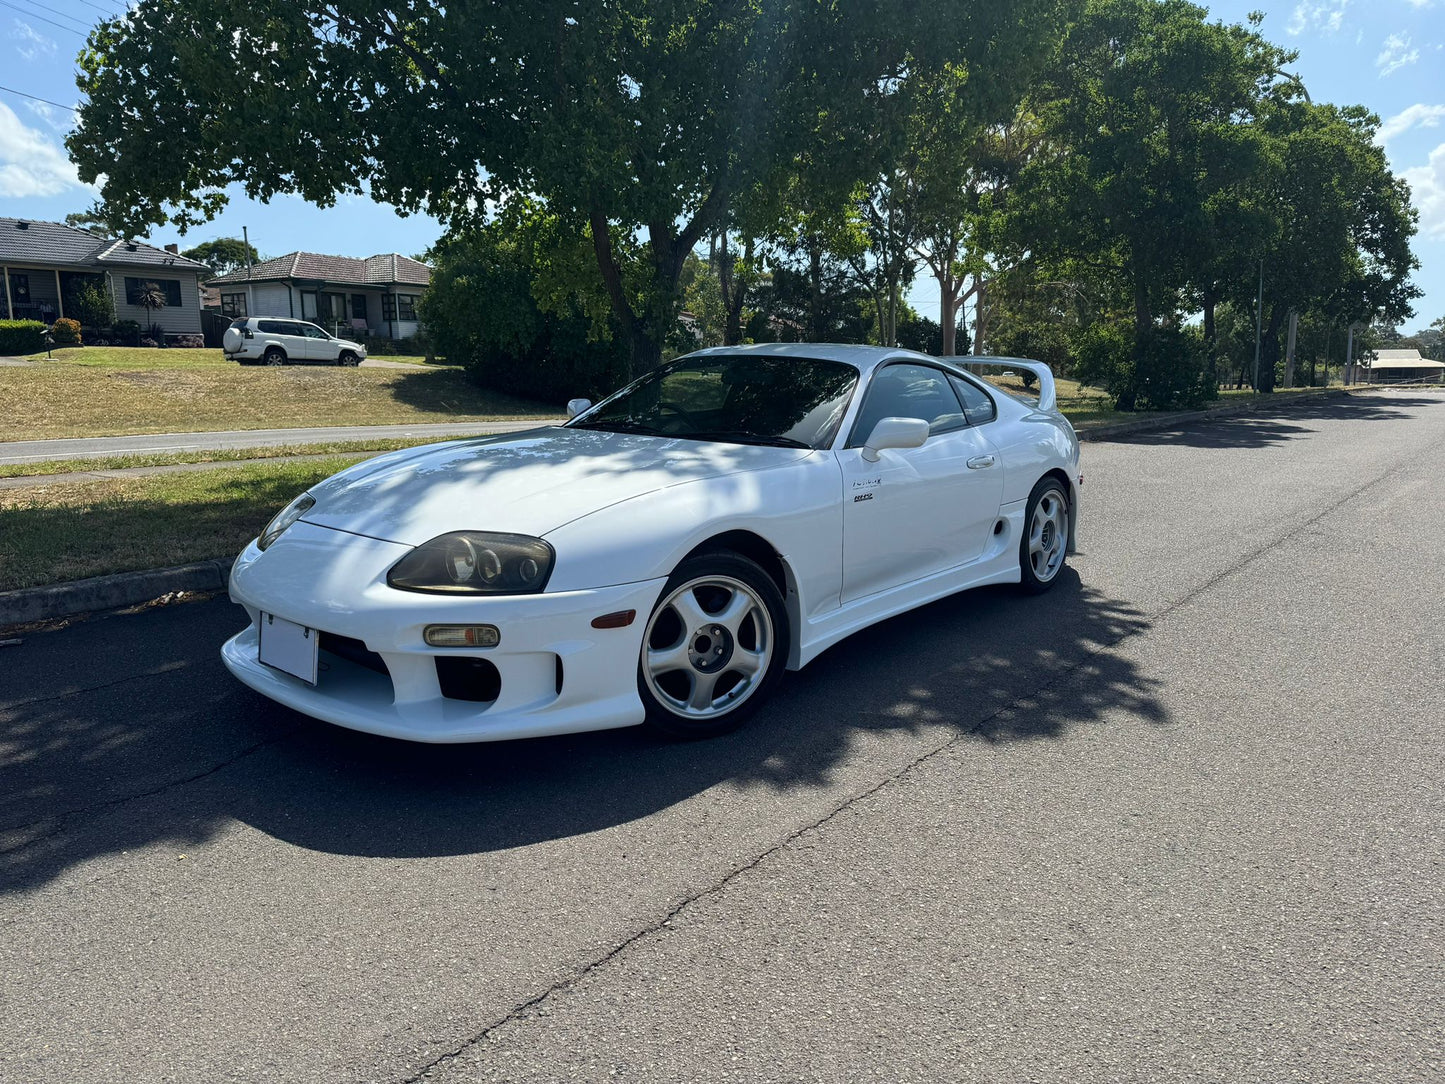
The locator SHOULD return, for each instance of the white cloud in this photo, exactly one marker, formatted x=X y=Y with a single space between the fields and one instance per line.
x=59 y=120
x=1323 y=15
x=1415 y=116
x=31 y=43
x=31 y=165
x=1427 y=193
x=1396 y=54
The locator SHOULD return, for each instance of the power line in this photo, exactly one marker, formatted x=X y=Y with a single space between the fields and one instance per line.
x=56 y=11
x=42 y=18
x=103 y=11
x=33 y=98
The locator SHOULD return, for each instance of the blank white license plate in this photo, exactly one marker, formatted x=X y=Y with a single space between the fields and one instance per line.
x=289 y=647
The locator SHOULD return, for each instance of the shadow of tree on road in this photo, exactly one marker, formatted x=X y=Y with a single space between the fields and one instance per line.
x=1261 y=429
x=170 y=749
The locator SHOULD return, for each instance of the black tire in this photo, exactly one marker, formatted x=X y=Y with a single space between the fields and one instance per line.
x=274 y=356
x=348 y=357
x=1035 y=575
x=662 y=695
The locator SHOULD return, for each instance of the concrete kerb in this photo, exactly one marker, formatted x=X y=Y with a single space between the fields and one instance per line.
x=109 y=592
x=132 y=588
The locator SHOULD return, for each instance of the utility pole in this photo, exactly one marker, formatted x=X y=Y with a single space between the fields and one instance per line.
x=246 y=245
x=1258 y=317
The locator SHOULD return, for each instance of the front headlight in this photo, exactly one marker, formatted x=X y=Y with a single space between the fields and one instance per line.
x=284 y=518
x=477 y=563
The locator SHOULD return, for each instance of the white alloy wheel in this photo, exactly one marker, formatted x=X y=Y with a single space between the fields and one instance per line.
x=1046 y=538
x=715 y=644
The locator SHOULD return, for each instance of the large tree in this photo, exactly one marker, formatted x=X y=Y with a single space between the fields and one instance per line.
x=1338 y=238
x=224 y=254
x=1146 y=119
x=632 y=119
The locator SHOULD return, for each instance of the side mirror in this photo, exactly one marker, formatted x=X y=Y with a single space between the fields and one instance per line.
x=895 y=433
x=577 y=406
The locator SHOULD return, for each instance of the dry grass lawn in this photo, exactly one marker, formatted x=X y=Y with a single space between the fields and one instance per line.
x=99 y=391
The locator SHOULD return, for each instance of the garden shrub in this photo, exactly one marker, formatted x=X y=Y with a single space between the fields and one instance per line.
x=1167 y=372
x=21 y=337
x=186 y=340
x=65 y=332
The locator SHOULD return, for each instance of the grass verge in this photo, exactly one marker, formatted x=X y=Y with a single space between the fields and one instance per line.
x=106 y=391
x=74 y=530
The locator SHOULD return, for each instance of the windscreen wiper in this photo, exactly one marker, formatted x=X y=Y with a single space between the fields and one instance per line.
x=744 y=436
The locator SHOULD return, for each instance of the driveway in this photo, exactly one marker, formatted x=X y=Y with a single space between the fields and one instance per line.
x=1177 y=820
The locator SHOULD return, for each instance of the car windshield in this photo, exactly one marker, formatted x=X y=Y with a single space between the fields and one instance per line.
x=739 y=398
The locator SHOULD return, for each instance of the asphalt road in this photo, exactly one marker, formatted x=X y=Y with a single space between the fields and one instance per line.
x=1178 y=820
x=14 y=452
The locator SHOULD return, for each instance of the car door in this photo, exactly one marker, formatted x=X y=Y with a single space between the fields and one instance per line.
x=320 y=347
x=915 y=511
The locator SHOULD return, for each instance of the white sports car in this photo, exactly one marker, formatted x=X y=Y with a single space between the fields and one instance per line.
x=661 y=557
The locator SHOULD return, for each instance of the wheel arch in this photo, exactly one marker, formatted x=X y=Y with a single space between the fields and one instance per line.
x=765 y=555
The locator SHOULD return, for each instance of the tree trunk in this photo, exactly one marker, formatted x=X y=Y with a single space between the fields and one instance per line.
x=734 y=296
x=817 y=330
x=1289 y=350
x=1210 y=356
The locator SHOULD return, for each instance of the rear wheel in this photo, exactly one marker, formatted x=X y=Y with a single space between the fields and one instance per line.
x=1046 y=536
x=274 y=356
x=714 y=647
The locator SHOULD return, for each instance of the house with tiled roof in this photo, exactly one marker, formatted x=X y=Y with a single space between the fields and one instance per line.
x=377 y=294
x=42 y=263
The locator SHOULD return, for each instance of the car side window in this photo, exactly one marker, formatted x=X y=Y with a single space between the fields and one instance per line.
x=311 y=331
x=976 y=404
x=908 y=391
x=271 y=327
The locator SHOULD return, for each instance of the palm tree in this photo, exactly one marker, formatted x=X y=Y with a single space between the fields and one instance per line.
x=150 y=297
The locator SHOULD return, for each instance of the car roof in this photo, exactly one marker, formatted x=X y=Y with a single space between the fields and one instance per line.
x=865 y=358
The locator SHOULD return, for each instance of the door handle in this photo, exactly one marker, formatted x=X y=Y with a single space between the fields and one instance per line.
x=978 y=462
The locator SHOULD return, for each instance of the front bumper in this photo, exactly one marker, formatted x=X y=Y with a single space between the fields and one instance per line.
x=557 y=674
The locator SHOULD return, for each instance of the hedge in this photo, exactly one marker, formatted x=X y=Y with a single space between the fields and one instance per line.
x=19 y=337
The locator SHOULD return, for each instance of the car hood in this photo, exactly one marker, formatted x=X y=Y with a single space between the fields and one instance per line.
x=526 y=483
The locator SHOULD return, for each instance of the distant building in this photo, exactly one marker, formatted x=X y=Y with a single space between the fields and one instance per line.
x=1398 y=366
x=377 y=294
x=42 y=262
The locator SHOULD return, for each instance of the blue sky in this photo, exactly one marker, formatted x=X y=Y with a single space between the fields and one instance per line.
x=1388 y=55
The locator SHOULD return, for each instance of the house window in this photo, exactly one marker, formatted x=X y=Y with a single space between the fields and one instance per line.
x=171 y=287
x=20 y=287
x=388 y=306
x=233 y=304
x=408 y=307
x=358 y=306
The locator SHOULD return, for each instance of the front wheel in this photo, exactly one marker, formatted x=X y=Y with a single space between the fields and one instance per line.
x=348 y=357
x=714 y=647
x=1046 y=536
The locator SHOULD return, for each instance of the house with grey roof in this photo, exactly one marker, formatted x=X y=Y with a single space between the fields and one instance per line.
x=376 y=295
x=1402 y=366
x=42 y=263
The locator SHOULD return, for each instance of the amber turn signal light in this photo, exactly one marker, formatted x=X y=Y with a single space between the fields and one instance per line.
x=619 y=620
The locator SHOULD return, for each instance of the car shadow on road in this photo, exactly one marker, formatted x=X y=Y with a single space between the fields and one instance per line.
x=183 y=752
x=1260 y=430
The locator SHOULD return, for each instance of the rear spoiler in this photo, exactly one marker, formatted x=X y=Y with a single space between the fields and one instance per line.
x=1048 y=395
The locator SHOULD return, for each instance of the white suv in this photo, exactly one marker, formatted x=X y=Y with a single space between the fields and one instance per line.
x=254 y=340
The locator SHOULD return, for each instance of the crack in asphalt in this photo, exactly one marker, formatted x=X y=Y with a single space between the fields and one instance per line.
x=519 y=1011
x=67 y=815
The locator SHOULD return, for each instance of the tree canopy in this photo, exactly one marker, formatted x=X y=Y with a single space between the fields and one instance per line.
x=634 y=121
